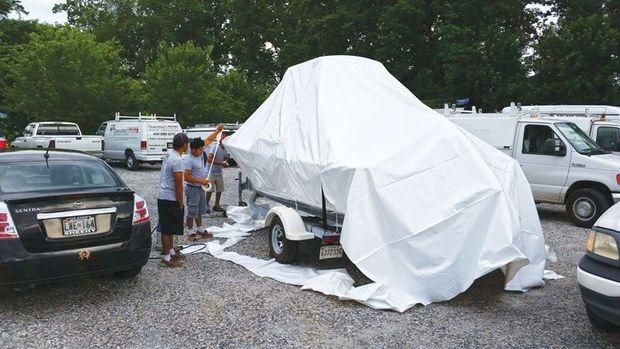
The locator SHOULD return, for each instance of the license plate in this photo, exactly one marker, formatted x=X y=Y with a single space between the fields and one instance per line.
x=331 y=251
x=72 y=226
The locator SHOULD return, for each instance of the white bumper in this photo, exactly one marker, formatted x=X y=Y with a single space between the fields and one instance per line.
x=598 y=284
x=149 y=158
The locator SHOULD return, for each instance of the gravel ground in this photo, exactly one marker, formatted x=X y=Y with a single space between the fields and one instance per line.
x=213 y=303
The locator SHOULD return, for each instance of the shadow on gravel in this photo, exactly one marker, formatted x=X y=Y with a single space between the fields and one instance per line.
x=555 y=213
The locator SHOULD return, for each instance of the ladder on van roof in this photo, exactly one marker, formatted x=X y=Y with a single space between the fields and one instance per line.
x=119 y=117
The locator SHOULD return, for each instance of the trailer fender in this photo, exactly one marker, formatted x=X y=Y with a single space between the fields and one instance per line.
x=294 y=226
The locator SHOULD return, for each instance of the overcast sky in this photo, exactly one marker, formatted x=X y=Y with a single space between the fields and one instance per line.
x=41 y=10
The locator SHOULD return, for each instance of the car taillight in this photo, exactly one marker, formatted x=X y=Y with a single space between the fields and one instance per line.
x=140 y=210
x=7 y=227
x=143 y=145
x=3 y=144
x=618 y=178
x=52 y=144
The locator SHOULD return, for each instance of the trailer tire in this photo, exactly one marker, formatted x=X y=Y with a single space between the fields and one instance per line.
x=281 y=248
x=131 y=162
x=584 y=206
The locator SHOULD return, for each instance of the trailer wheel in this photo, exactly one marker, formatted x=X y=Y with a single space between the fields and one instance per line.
x=585 y=206
x=131 y=162
x=281 y=248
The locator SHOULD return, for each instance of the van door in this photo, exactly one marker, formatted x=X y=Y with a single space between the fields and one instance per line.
x=546 y=166
x=607 y=136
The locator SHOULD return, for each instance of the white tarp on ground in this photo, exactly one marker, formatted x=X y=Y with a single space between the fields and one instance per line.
x=428 y=207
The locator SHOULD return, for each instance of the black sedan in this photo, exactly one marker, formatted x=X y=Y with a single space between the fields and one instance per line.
x=67 y=214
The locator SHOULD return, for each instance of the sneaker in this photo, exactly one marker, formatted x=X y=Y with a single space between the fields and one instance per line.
x=218 y=209
x=178 y=254
x=173 y=263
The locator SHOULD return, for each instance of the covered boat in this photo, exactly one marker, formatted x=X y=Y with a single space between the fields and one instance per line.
x=428 y=207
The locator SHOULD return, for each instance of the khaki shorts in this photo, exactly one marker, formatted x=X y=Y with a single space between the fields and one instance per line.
x=218 y=182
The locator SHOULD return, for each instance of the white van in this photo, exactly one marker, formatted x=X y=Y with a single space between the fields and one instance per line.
x=562 y=164
x=600 y=122
x=138 y=139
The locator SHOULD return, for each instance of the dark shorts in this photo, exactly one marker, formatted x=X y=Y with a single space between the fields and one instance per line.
x=170 y=217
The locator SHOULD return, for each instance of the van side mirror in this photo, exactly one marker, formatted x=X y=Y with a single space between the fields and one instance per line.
x=617 y=146
x=554 y=147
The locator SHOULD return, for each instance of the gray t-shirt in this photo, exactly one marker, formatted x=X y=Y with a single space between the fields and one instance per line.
x=197 y=166
x=220 y=156
x=172 y=163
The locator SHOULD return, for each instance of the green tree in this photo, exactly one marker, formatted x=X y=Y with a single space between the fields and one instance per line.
x=577 y=60
x=8 y=6
x=62 y=73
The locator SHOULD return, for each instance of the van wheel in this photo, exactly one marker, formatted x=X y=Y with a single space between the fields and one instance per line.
x=584 y=206
x=131 y=162
x=598 y=321
x=281 y=248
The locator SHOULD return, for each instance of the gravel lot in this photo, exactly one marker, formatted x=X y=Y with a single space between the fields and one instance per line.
x=213 y=303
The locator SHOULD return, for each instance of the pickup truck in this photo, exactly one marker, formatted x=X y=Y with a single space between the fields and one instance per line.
x=58 y=135
x=562 y=164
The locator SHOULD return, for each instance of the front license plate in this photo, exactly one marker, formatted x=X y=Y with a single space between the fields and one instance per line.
x=72 y=226
x=331 y=251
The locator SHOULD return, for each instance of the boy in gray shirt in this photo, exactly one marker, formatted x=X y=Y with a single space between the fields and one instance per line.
x=195 y=178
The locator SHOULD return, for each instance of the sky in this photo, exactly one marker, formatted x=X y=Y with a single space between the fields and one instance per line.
x=41 y=10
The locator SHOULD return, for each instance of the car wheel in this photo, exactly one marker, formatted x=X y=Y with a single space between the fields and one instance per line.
x=281 y=248
x=131 y=162
x=129 y=273
x=584 y=206
x=598 y=321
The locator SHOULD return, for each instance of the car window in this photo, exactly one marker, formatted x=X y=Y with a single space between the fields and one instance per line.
x=534 y=137
x=608 y=138
x=579 y=139
x=32 y=177
x=68 y=130
x=47 y=130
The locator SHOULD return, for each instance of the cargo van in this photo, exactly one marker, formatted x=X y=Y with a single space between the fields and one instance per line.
x=138 y=139
x=562 y=164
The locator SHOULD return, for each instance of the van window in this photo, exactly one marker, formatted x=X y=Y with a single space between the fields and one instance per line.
x=534 y=137
x=101 y=129
x=608 y=137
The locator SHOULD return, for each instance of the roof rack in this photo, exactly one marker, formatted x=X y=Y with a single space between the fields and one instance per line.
x=118 y=116
x=214 y=125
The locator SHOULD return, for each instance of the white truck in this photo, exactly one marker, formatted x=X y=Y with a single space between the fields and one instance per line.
x=138 y=139
x=600 y=122
x=58 y=135
x=562 y=164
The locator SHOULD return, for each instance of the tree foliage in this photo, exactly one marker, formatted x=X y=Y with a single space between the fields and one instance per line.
x=216 y=60
x=65 y=74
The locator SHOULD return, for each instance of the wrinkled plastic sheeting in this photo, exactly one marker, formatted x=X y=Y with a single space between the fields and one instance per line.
x=335 y=282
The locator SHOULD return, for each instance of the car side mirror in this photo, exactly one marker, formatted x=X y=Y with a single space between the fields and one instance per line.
x=617 y=146
x=554 y=147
